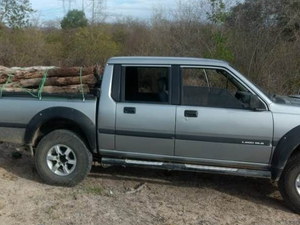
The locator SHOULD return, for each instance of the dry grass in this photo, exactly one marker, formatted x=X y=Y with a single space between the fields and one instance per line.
x=108 y=197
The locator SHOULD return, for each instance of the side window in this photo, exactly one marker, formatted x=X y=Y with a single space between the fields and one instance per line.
x=146 y=84
x=220 y=79
x=211 y=88
x=194 y=78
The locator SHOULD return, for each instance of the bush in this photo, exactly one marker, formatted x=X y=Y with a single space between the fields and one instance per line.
x=74 y=19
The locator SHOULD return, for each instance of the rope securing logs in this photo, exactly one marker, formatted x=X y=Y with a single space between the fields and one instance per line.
x=50 y=80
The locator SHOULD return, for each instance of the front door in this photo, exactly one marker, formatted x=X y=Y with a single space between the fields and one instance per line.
x=214 y=122
x=145 y=120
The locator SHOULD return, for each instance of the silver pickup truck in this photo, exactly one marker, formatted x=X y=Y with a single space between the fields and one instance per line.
x=185 y=114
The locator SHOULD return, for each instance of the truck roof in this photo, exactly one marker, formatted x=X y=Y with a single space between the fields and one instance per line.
x=166 y=61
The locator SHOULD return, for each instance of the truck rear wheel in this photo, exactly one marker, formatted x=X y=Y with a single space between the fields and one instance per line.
x=62 y=158
x=289 y=183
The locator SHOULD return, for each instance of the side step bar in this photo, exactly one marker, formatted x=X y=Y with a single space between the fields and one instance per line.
x=185 y=167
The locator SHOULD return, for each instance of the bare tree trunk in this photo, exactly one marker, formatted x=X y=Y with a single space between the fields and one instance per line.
x=61 y=72
x=34 y=73
x=71 y=89
x=59 y=81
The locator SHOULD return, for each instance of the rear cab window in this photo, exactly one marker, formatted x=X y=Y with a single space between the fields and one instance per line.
x=146 y=84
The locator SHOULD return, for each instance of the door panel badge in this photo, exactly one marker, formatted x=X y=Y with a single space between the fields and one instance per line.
x=253 y=143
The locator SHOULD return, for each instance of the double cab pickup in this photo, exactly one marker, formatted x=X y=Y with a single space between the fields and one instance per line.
x=188 y=114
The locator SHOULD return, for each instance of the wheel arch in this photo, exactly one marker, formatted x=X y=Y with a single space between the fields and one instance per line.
x=55 y=118
x=286 y=147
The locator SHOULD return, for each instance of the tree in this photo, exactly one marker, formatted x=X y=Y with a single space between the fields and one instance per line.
x=74 y=19
x=254 y=15
x=91 y=45
x=97 y=10
x=218 y=12
x=283 y=16
x=218 y=15
x=288 y=18
x=15 y=13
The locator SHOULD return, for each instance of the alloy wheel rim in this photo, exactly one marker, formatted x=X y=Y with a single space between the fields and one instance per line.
x=61 y=160
x=297 y=184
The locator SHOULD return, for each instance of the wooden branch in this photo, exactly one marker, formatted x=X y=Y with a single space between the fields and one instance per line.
x=70 y=72
x=137 y=189
x=71 y=89
x=59 y=81
x=60 y=72
x=32 y=68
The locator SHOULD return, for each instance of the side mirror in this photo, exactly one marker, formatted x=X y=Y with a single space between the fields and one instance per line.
x=254 y=102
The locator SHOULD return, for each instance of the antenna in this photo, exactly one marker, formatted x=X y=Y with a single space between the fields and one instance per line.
x=93 y=11
x=70 y=4
x=93 y=8
x=64 y=5
x=97 y=10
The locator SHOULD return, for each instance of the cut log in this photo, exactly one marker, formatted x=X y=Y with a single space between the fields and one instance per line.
x=70 y=72
x=59 y=81
x=28 y=75
x=61 y=72
x=33 y=68
x=4 y=71
x=21 y=75
x=33 y=72
x=3 y=80
x=71 y=89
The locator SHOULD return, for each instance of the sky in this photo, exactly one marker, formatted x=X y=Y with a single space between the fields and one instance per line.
x=53 y=9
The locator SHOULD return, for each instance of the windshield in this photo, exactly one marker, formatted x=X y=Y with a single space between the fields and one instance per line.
x=271 y=96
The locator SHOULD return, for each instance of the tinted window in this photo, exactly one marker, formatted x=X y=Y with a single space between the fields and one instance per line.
x=146 y=84
x=212 y=88
x=222 y=80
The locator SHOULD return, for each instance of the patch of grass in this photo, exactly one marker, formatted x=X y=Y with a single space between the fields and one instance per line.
x=94 y=190
x=51 y=209
x=52 y=212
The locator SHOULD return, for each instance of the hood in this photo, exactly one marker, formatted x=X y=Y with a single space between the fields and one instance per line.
x=289 y=100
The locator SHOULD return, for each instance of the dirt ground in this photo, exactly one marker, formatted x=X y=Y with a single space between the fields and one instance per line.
x=136 y=196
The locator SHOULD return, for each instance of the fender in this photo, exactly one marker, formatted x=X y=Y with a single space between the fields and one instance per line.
x=85 y=124
x=286 y=146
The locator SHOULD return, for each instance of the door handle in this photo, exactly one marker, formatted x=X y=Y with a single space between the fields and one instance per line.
x=129 y=110
x=191 y=113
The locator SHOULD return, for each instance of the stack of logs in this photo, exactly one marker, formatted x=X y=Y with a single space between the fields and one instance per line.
x=58 y=80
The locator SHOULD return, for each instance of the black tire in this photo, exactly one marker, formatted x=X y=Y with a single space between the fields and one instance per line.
x=71 y=140
x=287 y=183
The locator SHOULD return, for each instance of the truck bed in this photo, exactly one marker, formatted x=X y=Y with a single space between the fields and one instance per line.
x=18 y=109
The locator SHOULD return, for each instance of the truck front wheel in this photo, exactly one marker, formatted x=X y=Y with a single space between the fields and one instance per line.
x=289 y=183
x=62 y=158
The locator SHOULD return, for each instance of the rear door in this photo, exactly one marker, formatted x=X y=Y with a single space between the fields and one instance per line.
x=214 y=122
x=145 y=118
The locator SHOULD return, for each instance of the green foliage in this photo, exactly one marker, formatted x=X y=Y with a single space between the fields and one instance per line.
x=22 y=47
x=218 y=12
x=218 y=15
x=54 y=48
x=90 y=45
x=31 y=46
x=260 y=38
x=220 y=49
x=74 y=19
x=91 y=190
x=288 y=18
x=15 y=13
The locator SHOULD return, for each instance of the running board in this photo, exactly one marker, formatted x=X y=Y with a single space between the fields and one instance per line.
x=186 y=167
